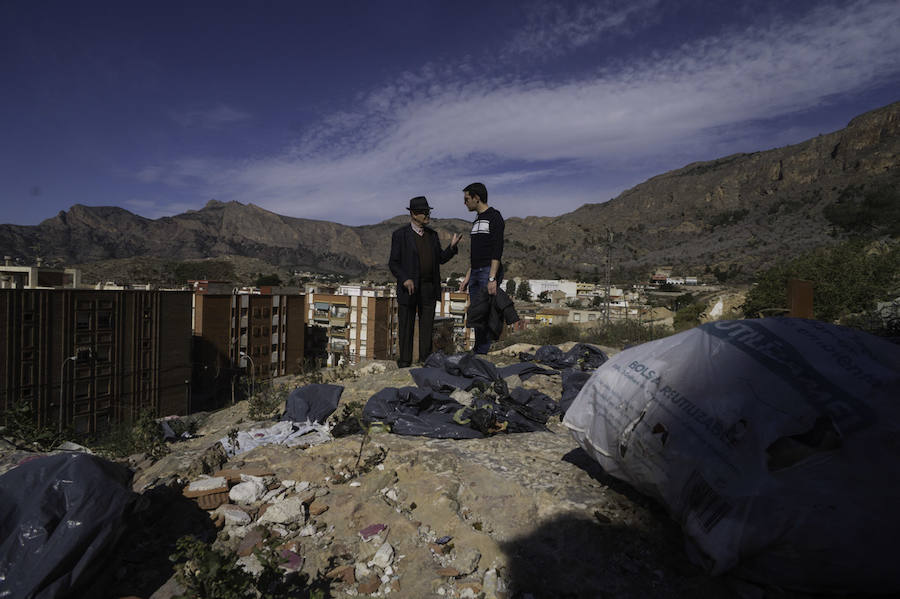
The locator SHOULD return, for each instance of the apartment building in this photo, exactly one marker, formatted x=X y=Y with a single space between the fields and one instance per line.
x=259 y=335
x=37 y=276
x=353 y=327
x=87 y=359
x=453 y=304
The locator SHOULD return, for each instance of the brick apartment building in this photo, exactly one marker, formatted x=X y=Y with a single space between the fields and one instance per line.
x=353 y=327
x=87 y=359
x=260 y=335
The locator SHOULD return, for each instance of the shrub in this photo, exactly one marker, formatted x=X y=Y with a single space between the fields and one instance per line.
x=847 y=279
x=21 y=429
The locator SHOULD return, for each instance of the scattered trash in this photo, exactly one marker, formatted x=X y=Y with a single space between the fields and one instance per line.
x=312 y=403
x=772 y=442
x=371 y=530
x=443 y=540
x=285 y=432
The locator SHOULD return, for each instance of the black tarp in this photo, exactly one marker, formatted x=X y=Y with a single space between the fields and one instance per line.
x=581 y=355
x=418 y=412
x=314 y=403
x=60 y=517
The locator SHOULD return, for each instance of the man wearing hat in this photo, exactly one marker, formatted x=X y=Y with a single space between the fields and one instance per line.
x=416 y=256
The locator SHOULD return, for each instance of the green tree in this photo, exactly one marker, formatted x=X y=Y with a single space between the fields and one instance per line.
x=544 y=297
x=847 y=279
x=272 y=279
x=511 y=288
x=523 y=291
x=688 y=316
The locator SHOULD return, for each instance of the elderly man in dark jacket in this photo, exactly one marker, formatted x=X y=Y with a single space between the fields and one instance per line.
x=416 y=256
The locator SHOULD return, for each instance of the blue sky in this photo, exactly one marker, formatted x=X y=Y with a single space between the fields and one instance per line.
x=344 y=110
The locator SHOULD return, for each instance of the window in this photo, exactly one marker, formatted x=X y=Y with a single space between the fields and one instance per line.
x=27 y=337
x=102 y=353
x=255 y=312
x=104 y=320
x=576 y=317
x=82 y=390
x=82 y=321
x=27 y=374
x=592 y=317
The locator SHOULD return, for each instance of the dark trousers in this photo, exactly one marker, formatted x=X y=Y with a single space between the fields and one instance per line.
x=421 y=302
x=478 y=282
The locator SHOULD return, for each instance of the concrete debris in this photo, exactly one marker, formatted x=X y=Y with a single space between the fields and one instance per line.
x=383 y=557
x=289 y=511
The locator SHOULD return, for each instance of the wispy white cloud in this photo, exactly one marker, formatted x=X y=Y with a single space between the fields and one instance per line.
x=555 y=29
x=213 y=117
x=436 y=130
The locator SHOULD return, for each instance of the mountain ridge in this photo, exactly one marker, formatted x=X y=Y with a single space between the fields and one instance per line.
x=740 y=211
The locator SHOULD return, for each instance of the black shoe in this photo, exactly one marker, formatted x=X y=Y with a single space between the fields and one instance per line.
x=402 y=364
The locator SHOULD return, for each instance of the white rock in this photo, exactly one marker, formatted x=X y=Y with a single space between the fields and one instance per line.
x=287 y=484
x=247 y=492
x=441 y=591
x=490 y=584
x=250 y=564
x=467 y=593
x=308 y=530
x=389 y=571
x=301 y=486
x=235 y=516
x=361 y=571
x=383 y=557
x=207 y=484
x=385 y=579
x=392 y=495
x=285 y=512
x=356 y=483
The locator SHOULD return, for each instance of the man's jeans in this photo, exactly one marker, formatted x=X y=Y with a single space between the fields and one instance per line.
x=478 y=280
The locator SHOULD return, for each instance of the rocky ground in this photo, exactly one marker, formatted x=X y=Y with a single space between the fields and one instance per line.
x=513 y=515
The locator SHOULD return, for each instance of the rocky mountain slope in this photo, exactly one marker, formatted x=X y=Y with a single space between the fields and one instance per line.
x=739 y=212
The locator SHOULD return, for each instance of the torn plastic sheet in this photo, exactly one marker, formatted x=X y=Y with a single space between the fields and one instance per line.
x=572 y=382
x=581 y=355
x=417 y=412
x=525 y=370
x=60 y=517
x=290 y=434
x=312 y=403
x=464 y=365
x=772 y=442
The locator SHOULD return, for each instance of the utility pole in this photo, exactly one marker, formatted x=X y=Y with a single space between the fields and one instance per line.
x=609 y=240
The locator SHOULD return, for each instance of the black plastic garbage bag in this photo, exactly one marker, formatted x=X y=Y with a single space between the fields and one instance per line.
x=418 y=412
x=314 y=402
x=60 y=517
x=524 y=370
x=466 y=365
x=581 y=355
x=572 y=382
x=440 y=380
